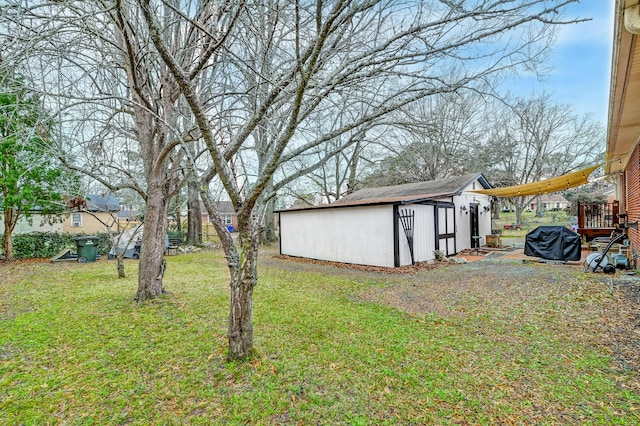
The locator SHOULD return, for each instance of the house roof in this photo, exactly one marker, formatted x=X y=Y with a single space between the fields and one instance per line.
x=624 y=97
x=102 y=203
x=224 y=207
x=406 y=193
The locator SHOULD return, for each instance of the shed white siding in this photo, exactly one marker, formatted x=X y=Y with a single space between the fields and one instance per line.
x=463 y=231
x=367 y=234
x=361 y=235
x=423 y=235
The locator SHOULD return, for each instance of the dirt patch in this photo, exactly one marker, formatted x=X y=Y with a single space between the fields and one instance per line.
x=590 y=309
x=408 y=269
x=491 y=284
x=624 y=324
x=8 y=270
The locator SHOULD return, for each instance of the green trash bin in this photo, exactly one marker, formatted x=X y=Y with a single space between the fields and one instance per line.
x=87 y=248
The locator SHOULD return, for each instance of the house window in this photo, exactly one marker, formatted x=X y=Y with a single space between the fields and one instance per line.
x=557 y=205
x=76 y=220
x=227 y=219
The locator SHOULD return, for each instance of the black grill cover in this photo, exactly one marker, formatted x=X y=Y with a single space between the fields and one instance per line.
x=553 y=243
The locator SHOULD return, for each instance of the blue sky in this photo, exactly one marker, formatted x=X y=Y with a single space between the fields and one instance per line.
x=580 y=65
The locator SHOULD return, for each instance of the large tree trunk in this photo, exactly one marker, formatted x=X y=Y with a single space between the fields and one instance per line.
x=152 y=263
x=7 y=242
x=496 y=207
x=243 y=265
x=194 y=214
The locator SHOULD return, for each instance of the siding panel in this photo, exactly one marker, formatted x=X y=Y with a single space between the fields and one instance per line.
x=352 y=235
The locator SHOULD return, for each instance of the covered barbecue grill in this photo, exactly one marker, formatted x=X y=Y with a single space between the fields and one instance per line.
x=553 y=243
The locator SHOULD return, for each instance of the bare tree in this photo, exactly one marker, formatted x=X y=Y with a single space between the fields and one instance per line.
x=432 y=140
x=248 y=78
x=335 y=168
x=118 y=103
x=535 y=139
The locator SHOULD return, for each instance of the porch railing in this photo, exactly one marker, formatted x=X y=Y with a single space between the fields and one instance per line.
x=598 y=215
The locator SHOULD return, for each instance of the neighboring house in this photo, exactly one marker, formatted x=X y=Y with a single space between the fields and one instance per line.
x=100 y=208
x=226 y=211
x=623 y=151
x=549 y=202
x=371 y=226
x=36 y=223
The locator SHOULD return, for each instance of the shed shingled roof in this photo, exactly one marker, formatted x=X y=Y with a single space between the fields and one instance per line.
x=407 y=193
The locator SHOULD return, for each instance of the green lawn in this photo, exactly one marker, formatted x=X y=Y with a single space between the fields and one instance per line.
x=530 y=221
x=75 y=349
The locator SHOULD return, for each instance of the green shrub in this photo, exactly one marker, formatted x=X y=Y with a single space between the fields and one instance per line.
x=48 y=244
x=439 y=255
x=104 y=243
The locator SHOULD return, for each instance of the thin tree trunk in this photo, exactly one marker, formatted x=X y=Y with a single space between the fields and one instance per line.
x=268 y=234
x=519 y=207
x=120 y=256
x=152 y=263
x=244 y=276
x=179 y=223
x=194 y=214
x=120 y=262
x=243 y=265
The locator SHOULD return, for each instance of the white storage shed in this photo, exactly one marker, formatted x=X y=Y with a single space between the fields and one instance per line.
x=391 y=226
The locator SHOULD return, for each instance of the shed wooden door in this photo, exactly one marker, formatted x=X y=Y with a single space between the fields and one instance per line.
x=445 y=222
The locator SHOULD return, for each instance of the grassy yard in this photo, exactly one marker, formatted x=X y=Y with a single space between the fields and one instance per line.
x=485 y=343
x=529 y=222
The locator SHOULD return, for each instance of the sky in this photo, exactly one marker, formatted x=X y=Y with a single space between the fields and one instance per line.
x=580 y=64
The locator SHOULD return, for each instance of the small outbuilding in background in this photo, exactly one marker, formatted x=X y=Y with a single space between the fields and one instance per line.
x=392 y=226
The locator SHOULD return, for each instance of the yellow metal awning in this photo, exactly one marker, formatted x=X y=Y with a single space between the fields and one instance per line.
x=560 y=183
